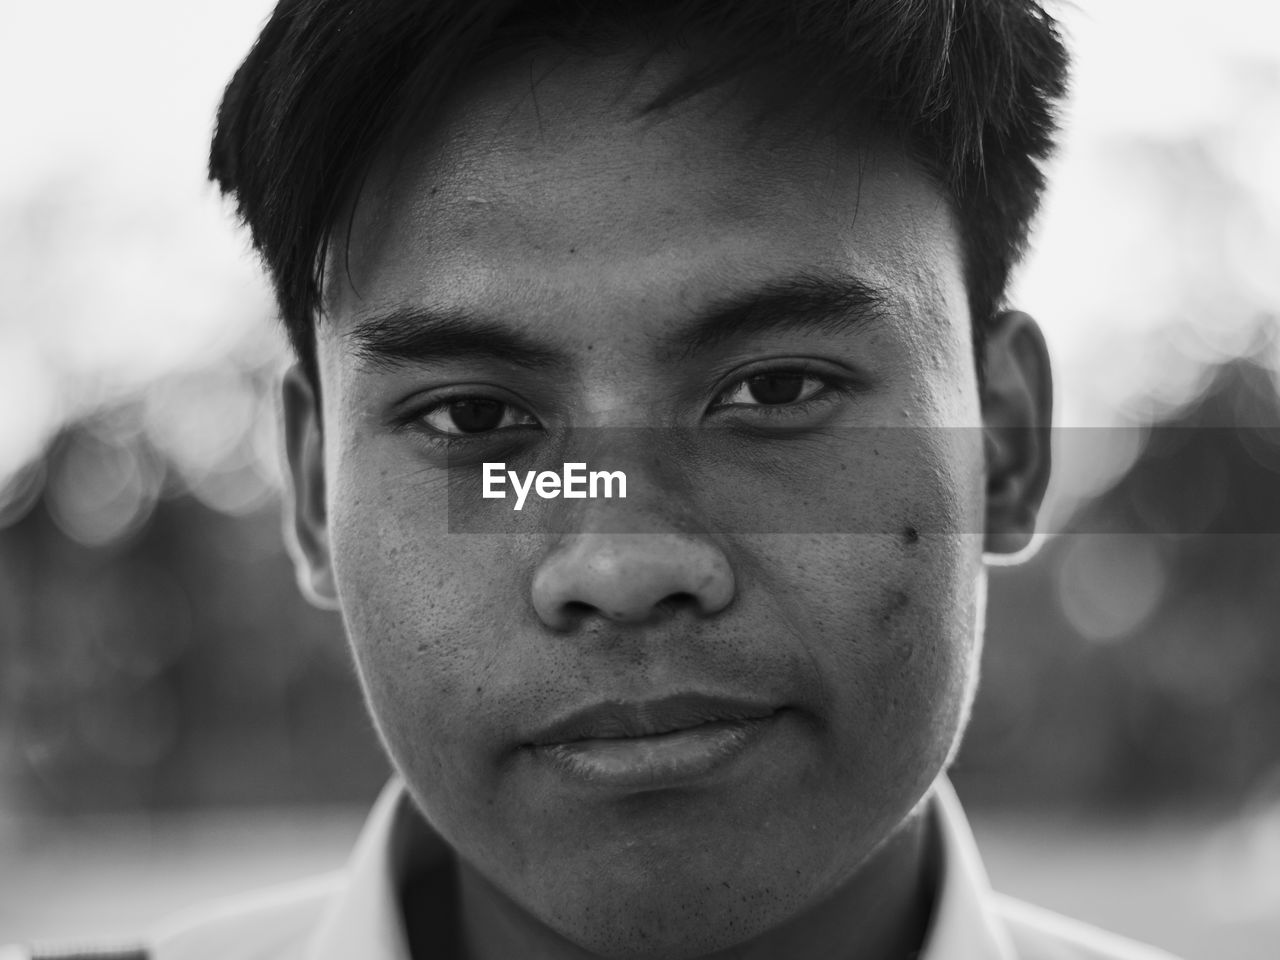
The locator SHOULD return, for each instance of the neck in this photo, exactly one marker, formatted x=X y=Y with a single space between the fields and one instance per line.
x=880 y=913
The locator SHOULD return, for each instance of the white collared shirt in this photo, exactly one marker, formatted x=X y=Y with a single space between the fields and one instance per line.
x=355 y=913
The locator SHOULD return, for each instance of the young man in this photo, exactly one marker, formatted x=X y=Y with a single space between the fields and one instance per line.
x=751 y=255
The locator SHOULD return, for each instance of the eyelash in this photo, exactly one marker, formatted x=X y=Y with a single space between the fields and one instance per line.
x=415 y=418
x=832 y=388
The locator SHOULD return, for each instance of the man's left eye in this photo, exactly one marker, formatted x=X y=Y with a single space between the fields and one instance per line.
x=473 y=416
x=773 y=388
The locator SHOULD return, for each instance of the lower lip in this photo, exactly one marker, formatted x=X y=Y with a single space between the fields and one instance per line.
x=658 y=761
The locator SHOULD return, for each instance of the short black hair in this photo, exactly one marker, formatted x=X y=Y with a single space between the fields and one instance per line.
x=971 y=88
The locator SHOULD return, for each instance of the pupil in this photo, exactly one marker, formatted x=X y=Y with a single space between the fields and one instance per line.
x=476 y=416
x=775 y=387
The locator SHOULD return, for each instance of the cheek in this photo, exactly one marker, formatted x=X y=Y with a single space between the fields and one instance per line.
x=925 y=624
x=889 y=614
x=896 y=648
x=422 y=610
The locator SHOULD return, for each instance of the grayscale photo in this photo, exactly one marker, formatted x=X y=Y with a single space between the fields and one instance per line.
x=648 y=480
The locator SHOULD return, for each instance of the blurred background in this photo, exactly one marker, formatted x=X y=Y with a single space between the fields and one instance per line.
x=175 y=723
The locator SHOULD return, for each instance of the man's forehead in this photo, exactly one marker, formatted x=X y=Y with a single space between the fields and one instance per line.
x=550 y=106
x=541 y=167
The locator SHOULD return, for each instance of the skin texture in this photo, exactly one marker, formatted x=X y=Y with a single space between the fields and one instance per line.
x=551 y=210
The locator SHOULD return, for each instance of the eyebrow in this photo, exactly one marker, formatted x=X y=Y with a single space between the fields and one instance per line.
x=805 y=302
x=416 y=335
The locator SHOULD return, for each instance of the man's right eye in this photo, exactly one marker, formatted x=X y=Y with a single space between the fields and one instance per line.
x=464 y=416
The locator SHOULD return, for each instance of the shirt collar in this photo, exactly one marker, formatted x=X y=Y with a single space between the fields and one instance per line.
x=364 y=920
x=964 y=925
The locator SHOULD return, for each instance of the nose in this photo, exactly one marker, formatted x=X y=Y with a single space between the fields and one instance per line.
x=630 y=578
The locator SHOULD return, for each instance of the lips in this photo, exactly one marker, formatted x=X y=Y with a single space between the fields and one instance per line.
x=617 y=720
x=677 y=741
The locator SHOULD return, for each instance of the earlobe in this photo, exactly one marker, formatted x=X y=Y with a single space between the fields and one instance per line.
x=306 y=515
x=1017 y=414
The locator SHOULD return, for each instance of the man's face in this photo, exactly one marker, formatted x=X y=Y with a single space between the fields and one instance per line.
x=821 y=676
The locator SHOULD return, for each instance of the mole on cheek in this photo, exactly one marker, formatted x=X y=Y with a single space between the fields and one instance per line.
x=895 y=611
x=911 y=535
x=897 y=604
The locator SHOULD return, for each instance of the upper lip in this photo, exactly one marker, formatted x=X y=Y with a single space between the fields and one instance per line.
x=617 y=718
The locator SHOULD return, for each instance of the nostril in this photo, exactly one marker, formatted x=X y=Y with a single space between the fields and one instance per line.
x=675 y=601
x=576 y=608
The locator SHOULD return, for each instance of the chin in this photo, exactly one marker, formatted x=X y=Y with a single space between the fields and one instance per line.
x=678 y=921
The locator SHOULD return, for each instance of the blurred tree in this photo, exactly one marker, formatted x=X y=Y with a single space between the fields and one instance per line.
x=1137 y=658
x=155 y=650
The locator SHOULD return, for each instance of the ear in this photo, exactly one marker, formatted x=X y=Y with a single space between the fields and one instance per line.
x=1017 y=413
x=306 y=515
